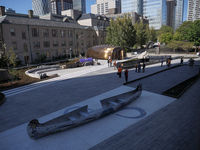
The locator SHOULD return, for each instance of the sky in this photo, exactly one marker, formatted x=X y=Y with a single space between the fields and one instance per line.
x=22 y=6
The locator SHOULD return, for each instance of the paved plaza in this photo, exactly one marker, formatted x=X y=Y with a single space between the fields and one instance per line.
x=168 y=124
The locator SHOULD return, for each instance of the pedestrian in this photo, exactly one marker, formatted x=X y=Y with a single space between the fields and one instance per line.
x=169 y=62
x=181 y=63
x=108 y=62
x=161 y=62
x=114 y=65
x=143 y=67
x=119 y=71
x=136 y=67
x=139 y=68
x=126 y=75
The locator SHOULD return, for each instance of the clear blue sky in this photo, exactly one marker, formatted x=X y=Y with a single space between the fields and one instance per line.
x=22 y=6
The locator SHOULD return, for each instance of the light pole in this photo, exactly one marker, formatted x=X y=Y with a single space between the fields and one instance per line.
x=70 y=52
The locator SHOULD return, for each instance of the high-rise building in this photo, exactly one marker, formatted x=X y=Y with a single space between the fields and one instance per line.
x=179 y=13
x=132 y=5
x=40 y=7
x=103 y=7
x=156 y=12
x=59 y=5
x=171 y=10
x=193 y=12
x=79 y=5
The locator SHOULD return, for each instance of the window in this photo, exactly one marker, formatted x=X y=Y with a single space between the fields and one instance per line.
x=47 y=54
x=62 y=33
x=54 y=33
x=14 y=45
x=25 y=48
x=46 y=44
x=36 y=44
x=12 y=32
x=63 y=43
x=82 y=43
x=45 y=32
x=70 y=33
x=70 y=43
x=23 y=35
x=55 y=43
x=35 y=32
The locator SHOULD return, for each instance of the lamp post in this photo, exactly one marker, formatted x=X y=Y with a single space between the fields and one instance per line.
x=70 y=52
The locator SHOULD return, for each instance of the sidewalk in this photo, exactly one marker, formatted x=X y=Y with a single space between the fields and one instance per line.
x=171 y=126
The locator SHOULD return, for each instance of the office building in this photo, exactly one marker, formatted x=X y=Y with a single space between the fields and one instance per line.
x=79 y=5
x=132 y=5
x=40 y=7
x=103 y=7
x=179 y=13
x=59 y=5
x=193 y=12
x=171 y=10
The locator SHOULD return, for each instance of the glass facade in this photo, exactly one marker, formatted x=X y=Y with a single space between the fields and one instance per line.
x=179 y=13
x=79 y=5
x=130 y=5
x=56 y=6
x=40 y=7
x=156 y=12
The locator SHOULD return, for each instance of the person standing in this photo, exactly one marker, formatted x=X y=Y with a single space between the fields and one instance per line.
x=120 y=71
x=108 y=62
x=136 y=67
x=126 y=75
x=143 y=67
x=161 y=62
x=114 y=65
x=139 y=68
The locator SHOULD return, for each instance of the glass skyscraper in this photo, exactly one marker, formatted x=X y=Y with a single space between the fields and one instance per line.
x=132 y=5
x=79 y=5
x=40 y=7
x=156 y=12
x=56 y=6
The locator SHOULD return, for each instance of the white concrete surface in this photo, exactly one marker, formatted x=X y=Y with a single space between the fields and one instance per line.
x=90 y=134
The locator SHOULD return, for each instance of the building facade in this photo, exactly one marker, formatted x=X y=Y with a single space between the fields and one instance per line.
x=132 y=5
x=79 y=5
x=179 y=13
x=53 y=36
x=59 y=5
x=103 y=7
x=171 y=10
x=193 y=12
x=41 y=7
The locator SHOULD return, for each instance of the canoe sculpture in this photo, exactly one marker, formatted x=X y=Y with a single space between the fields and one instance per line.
x=81 y=115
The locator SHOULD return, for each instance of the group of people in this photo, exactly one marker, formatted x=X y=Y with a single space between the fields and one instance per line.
x=138 y=67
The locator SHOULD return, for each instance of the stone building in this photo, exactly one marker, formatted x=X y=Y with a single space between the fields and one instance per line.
x=51 y=36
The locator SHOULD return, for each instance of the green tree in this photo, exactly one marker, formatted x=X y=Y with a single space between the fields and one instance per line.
x=182 y=32
x=166 y=37
x=121 y=32
x=180 y=45
x=141 y=34
x=151 y=34
x=10 y=56
x=194 y=33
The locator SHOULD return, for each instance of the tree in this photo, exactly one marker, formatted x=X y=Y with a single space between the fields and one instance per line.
x=194 y=33
x=121 y=32
x=151 y=34
x=10 y=57
x=182 y=32
x=180 y=45
x=166 y=38
x=141 y=34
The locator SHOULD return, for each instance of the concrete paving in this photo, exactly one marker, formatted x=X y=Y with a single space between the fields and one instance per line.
x=41 y=99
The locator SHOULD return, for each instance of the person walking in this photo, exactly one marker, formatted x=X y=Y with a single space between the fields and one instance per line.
x=161 y=62
x=169 y=62
x=115 y=65
x=136 y=67
x=139 y=68
x=120 y=71
x=108 y=62
x=143 y=67
x=126 y=75
x=181 y=63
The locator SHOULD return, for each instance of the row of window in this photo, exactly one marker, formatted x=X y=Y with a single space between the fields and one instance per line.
x=45 y=33
x=47 y=44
